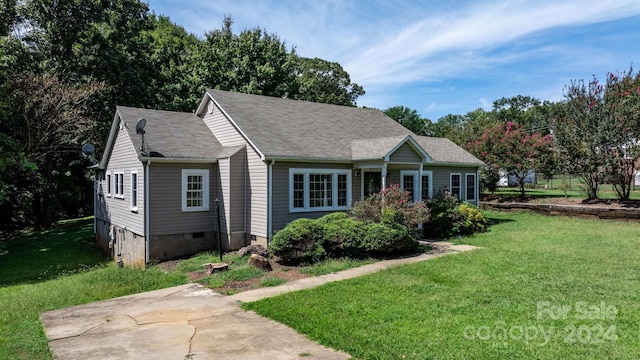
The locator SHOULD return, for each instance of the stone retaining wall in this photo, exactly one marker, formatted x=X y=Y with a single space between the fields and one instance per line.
x=583 y=211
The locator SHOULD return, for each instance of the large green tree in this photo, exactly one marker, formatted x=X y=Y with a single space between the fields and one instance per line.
x=410 y=119
x=326 y=82
x=253 y=62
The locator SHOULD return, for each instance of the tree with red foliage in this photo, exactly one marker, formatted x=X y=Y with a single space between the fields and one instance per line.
x=513 y=149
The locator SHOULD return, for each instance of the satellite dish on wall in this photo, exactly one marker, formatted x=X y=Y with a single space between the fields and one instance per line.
x=140 y=126
x=88 y=149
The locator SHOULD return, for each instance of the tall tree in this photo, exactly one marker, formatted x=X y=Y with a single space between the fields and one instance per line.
x=525 y=110
x=169 y=48
x=50 y=119
x=326 y=82
x=513 y=149
x=253 y=62
x=410 y=119
x=597 y=131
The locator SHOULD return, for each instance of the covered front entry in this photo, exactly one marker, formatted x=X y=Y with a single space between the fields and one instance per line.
x=372 y=182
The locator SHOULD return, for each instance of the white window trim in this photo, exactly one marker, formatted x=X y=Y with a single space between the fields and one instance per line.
x=205 y=187
x=109 y=179
x=428 y=173
x=475 y=186
x=307 y=207
x=460 y=193
x=134 y=206
x=116 y=193
x=404 y=173
x=417 y=189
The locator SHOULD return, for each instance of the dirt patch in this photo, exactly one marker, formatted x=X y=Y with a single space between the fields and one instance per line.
x=168 y=266
x=285 y=272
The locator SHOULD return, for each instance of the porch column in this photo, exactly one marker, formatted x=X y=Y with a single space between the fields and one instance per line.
x=383 y=187
x=418 y=194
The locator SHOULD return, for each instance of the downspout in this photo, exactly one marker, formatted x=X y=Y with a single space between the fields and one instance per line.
x=95 y=204
x=270 y=201
x=246 y=175
x=146 y=212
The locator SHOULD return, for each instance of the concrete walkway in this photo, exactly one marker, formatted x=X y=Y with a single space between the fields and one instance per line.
x=192 y=322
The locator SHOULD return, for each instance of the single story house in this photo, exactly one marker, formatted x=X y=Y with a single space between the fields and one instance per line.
x=264 y=161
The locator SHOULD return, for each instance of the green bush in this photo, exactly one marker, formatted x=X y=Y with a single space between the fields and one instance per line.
x=383 y=239
x=450 y=217
x=337 y=235
x=343 y=236
x=299 y=242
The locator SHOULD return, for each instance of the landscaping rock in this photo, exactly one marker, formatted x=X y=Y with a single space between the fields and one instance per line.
x=253 y=249
x=215 y=267
x=259 y=262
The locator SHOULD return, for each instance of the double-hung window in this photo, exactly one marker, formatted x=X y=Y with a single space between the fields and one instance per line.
x=134 y=191
x=108 y=184
x=409 y=181
x=426 y=187
x=455 y=185
x=195 y=190
x=319 y=189
x=470 y=180
x=118 y=184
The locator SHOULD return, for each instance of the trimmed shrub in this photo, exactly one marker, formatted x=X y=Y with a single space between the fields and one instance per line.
x=343 y=237
x=299 y=242
x=471 y=219
x=338 y=235
x=450 y=217
x=383 y=239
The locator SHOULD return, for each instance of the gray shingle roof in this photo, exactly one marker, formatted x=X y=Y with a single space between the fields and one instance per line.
x=171 y=134
x=443 y=150
x=368 y=149
x=285 y=128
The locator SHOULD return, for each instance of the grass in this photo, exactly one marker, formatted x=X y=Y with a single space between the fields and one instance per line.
x=530 y=268
x=334 y=265
x=42 y=271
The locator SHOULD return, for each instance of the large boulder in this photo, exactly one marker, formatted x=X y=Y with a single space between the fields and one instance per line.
x=259 y=262
x=253 y=249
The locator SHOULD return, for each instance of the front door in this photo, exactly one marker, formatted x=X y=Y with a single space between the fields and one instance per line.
x=372 y=183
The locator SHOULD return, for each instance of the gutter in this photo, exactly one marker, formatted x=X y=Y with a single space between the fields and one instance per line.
x=177 y=160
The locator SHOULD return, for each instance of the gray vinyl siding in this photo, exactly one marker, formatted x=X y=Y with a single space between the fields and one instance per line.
x=257 y=194
x=281 y=214
x=405 y=155
x=237 y=191
x=256 y=183
x=123 y=158
x=223 y=129
x=165 y=203
x=224 y=194
x=442 y=178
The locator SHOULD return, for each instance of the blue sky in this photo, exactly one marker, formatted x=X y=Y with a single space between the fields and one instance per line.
x=441 y=57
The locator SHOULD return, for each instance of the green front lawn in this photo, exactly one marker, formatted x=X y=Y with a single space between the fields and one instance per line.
x=540 y=287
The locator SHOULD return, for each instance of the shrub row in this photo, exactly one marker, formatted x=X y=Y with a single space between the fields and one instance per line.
x=337 y=235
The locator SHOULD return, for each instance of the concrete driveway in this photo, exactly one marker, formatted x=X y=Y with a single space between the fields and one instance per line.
x=192 y=322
